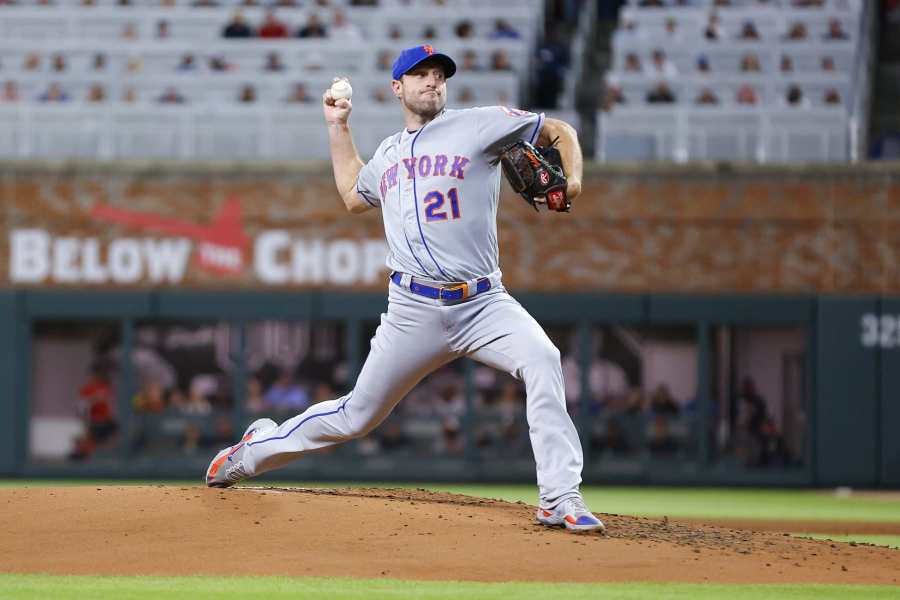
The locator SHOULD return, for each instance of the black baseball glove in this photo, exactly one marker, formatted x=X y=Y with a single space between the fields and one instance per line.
x=536 y=173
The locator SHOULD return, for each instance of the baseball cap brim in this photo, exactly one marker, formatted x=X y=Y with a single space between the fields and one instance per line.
x=446 y=62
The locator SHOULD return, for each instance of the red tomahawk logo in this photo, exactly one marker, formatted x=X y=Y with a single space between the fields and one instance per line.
x=221 y=244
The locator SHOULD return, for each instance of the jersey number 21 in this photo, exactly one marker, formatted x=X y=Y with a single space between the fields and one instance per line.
x=434 y=202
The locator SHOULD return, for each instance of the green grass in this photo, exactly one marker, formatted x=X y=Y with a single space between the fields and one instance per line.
x=28 y=587
x=736 y=503
x=891 y=541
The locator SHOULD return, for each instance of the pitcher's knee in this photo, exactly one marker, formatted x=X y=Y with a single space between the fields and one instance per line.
x=546 y=354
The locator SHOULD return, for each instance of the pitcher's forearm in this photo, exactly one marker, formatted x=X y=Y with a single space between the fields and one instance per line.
x=344 y=158
x=569 y=151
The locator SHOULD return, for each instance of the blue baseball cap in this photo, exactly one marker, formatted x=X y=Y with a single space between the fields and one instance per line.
x=410 y=57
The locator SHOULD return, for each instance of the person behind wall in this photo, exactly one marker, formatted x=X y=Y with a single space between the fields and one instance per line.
x=95 y=400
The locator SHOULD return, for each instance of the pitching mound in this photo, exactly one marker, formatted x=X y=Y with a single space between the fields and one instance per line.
x=398 y=533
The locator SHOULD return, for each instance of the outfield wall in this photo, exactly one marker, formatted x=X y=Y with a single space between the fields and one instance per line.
x=694 y=279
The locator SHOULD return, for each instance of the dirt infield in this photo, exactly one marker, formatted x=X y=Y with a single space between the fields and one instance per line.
x=397 y=533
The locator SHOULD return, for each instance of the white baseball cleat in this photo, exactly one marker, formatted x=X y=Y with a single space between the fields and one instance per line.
x=227 y=467
x=573 y=514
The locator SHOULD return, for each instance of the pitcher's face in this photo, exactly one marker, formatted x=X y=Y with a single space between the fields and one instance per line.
x=423 y=89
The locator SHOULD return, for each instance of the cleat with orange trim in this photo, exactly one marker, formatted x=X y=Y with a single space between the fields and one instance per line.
x=227 y=467
x=573 y=514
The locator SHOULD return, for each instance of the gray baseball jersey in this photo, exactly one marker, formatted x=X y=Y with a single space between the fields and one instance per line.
x=438 y=189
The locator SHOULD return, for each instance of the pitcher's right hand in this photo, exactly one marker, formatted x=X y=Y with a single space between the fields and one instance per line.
x=336 y=111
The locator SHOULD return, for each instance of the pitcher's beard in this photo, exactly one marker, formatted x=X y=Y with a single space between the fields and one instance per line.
x=426 y=109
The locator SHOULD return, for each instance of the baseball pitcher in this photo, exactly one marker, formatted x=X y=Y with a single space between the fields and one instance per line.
x=437 y=184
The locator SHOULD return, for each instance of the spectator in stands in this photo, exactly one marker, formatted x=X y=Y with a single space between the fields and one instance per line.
x=247 y=94
x=394 y=32
x=392 y=436
x=273 y=63
x=706 y=97
x=552 y=62
x=662 y=66
x=721 y=2
x=751 y=417
x=671 y=28
x=129 y=32
x=342 y=29
x=171 y=95
x=58 y=63
x=255 y=403
x=452 y=441
x=746 y=95
x=652 y=3
x=96 y=94
x=314 y=28
x=796 y=32
x=794 y=96
x=167 y=3
x=217 y=63
x=150 y=399
x=99 y=62
x=836 y=30
x=206 y=3
x=465 y=95
x=237 y=27
x=500 y=61
x=632 y=63
x=713 y=29
x=748 y=31
x=787 y=64
x=129 y=95
x=612 y=95
x=135 y=64
x=469 y=61
x=380 y=96
x=828 y=64
x=464 y=30
x=831 y=97
x=54 y=93
x=429 y=32
x=385 y=60
x=662 y=402
x=286 y=394
x=187 y=63
x=272 y=28
x=162 y=30
x=703 y=64
x=661 y=441
x=32 y=62
x=503 y=31
x=10 y=92
x=750 y=63
x=176 y=400
x=660 y=94
x=202 y=386
x=250 y=3
x=95 y=398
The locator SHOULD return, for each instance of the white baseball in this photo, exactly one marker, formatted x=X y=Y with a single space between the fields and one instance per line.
x=341 y=89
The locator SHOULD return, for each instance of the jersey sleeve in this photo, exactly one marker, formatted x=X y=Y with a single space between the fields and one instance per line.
x=367 y=183
x=499 y=126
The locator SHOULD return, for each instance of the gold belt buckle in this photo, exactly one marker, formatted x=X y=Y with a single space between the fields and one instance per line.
x=458 y=286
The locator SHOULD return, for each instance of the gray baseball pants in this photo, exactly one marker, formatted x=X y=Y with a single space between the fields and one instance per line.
x=416 y=336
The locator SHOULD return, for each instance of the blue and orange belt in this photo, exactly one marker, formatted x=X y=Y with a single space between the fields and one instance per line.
x=453 y=291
